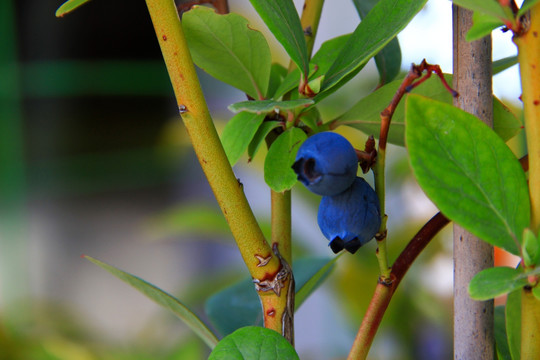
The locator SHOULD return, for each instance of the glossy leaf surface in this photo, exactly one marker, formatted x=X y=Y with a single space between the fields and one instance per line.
x=388 y=60
x=467 y=171
x=282 y=19
x=164 y=299
x=254 y=343
x=365 y=114
x=380 y=26
x=229 y=49
x=238 y=133
x=278 y=173
x=496 y=281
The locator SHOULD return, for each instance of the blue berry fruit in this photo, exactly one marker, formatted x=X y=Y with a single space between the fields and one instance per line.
x=326 y=163
x=350 y=219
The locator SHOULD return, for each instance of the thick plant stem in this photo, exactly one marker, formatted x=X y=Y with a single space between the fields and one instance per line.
x=473 y=320
x=255 y=250
x=528 y=44
x=530 y=323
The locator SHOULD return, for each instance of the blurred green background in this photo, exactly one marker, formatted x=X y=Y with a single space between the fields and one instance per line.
x=94 y=160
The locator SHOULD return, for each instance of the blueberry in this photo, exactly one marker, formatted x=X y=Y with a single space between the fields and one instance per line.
x=326 y=163
x=350 y=219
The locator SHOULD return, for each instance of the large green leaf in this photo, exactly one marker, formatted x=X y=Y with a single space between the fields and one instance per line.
x=496 y=281
x=467 y=171
x=164 y=299
x=282 y=19
x=238 y=305
x=229 y=49
x=254 y=343
x=380 y=26
x=69 y=6
x=238 y=133
x=388 y=60
x=365 y=114
x=278 y=173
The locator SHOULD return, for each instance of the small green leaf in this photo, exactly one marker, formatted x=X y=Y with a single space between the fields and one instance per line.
x=381 y=25
x=496 y=281
x=254 y=343
x=69 y=6
x=489 y=7
x=388 y=60
x=278 y=173
x=238 y=133
x=328 y=53
x=277 y=73
x=531 y=248
x=229 y=49
x=164 y=299
x=483 y=25
x=501 y=341
x=282 y=19
x=467 y=171
x=527 y=4
x=365 y=114
x=503 y=64
x=311 y=118
x=291 y=81
x=260 y=136
x=238 y=305
x=513 y=323
x=266 y=106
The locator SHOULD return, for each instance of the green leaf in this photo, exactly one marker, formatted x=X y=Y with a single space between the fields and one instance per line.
x=164 y=299
x=501 y=341
x=254 y=343
x=503 y=64
x=365 y=114
x=69 y=6
x=531 y=248
x=483 y=25
x=260 y=136
x=278 y=173
x=277 y=73
x=328 y=53
x=282 y=19
x=527 y=4
x=313 y=273
x=380 y=26
x=291 y=81
x=489 y=7
x=238 y=133
x=311 y=118
x=467 y=171
x=496 y=281
x=388 y=60
x=266 y=106
x=513 y=323
x=229 y=49
x=238 y=305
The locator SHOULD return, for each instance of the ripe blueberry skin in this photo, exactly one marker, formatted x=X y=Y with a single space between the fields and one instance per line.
x=326 y=163
x=350 y=219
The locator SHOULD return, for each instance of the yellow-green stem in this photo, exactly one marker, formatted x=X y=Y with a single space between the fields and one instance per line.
x=281 y=222
x=382 y=255
x=311 y=14
x=528 y=45
x=530 y=324
x=227 y=189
